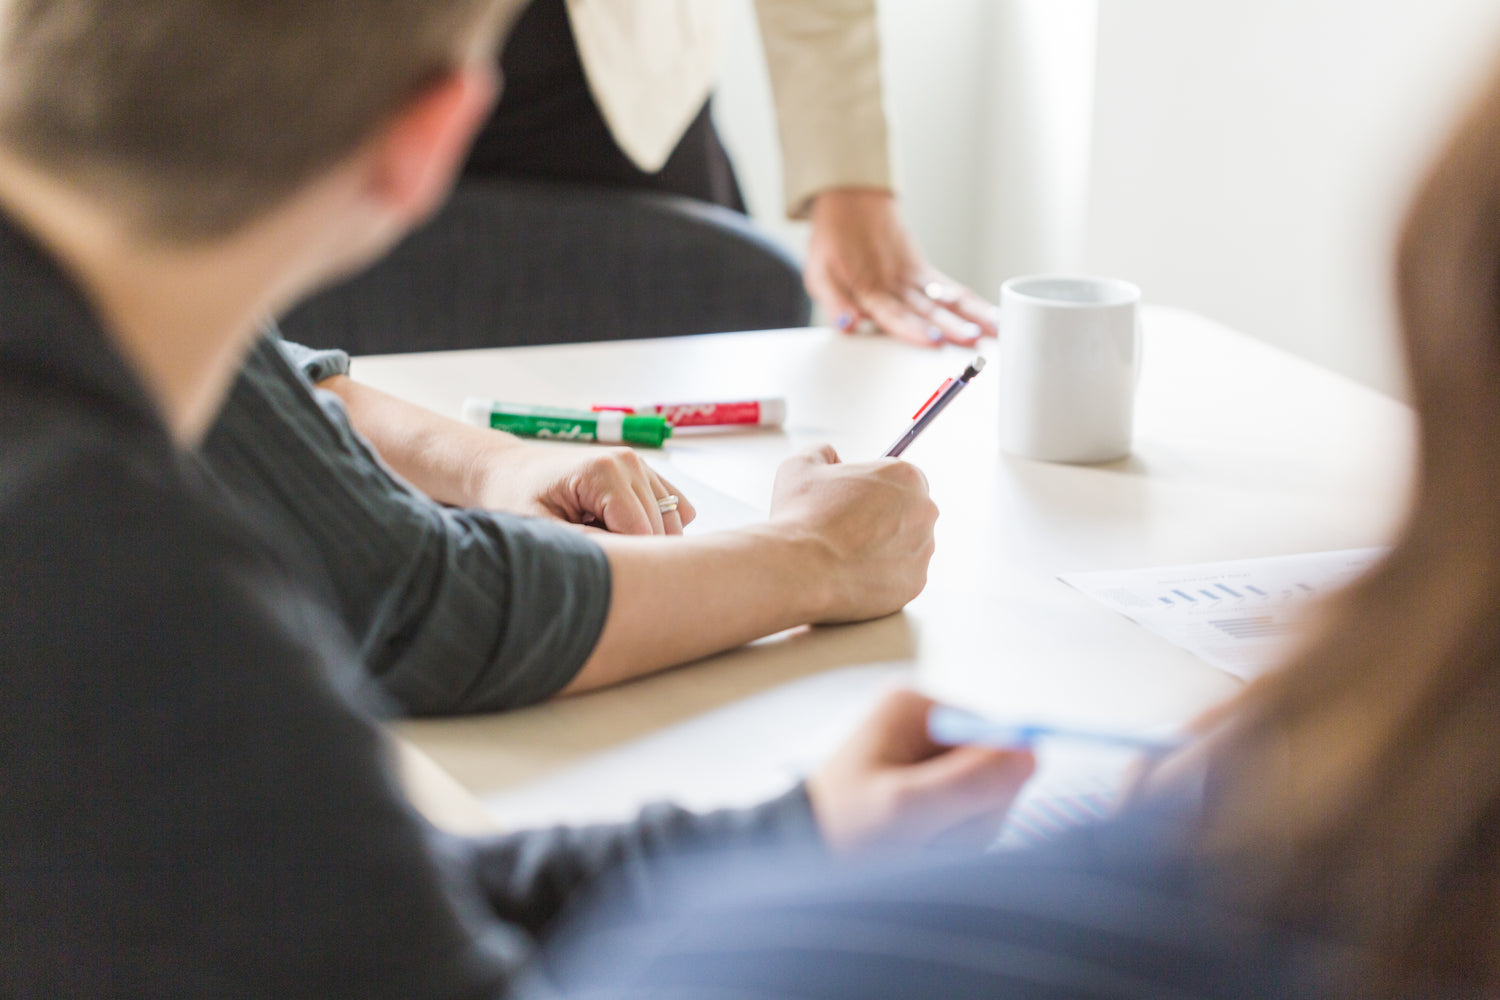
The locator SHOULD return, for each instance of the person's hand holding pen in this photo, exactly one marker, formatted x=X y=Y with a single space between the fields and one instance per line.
x=872 y=523
x=892 y=785
x=863 y=269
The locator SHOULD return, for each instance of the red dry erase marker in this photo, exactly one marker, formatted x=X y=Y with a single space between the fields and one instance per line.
x=751 y=412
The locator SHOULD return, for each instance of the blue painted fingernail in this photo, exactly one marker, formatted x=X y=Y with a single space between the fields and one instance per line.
x=844 y=320
x=972 y=331
x=934 y=333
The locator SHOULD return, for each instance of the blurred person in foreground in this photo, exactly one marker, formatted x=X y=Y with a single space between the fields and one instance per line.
x=1332 y=832
x=197 y=801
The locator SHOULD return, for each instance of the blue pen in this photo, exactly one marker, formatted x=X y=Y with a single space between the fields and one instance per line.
x=955 y=727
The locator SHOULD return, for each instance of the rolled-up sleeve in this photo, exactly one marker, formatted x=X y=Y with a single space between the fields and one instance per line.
x=824 y=63
x=315 y=363
x=453 y=610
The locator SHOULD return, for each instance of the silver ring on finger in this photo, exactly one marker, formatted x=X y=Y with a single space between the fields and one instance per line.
x=940 y=293
x=668 y=503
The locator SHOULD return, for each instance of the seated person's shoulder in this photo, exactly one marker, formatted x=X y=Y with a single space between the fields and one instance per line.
x=113 y=553
x=78 y=489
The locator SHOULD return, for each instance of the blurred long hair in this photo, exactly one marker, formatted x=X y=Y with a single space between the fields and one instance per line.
x=1358 y=789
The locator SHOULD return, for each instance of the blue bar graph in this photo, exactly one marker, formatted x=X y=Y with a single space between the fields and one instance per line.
x=1211 y=595
x=1186 y=596
x=1256 y=590
x=1231 y=592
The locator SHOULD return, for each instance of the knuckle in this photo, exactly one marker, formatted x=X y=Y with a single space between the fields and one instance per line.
x=907 y=475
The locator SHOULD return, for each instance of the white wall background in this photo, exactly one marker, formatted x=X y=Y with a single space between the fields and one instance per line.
x=1246 y=159
x=1252 y=160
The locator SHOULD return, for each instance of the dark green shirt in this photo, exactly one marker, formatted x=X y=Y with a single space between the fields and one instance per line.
x=452 y=610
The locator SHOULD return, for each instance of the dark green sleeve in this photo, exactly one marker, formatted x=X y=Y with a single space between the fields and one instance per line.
x=453 y=610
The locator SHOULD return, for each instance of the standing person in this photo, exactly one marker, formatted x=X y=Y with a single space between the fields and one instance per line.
x=196 y=803
x=1335 y=830
x=617 y=93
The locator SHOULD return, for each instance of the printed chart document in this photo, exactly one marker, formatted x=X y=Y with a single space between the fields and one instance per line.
x=1240 y=616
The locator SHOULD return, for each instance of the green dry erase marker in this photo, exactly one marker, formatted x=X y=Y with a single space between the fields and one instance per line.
x=567 y=425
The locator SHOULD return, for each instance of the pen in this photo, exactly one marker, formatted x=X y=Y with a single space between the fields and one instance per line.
x=566 y=425
x=752 y=412
x=934 y=405
x=955 y=727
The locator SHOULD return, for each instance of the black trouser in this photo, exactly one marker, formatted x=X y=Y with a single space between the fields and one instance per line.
x=547 y=126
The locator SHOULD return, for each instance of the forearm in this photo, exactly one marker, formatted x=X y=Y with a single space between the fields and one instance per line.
x=674 y=602
x=444 y=458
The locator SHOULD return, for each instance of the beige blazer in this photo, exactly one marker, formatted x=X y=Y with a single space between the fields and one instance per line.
x=652 y=63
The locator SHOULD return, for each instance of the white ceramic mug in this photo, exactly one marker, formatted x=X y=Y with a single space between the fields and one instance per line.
x=1070 y=355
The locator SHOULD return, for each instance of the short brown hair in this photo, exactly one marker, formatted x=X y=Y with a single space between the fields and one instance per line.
x=210 y=111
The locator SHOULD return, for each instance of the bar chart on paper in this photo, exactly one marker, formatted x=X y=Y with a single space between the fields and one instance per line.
x=1240 y=616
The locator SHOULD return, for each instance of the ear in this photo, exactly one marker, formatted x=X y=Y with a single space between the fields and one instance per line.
x=420 y=151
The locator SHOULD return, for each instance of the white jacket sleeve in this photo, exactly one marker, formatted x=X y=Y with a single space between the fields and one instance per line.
x=824 y=62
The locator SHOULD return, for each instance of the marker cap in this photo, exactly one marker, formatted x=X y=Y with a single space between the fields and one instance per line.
x=643 y=430
x=477 y=411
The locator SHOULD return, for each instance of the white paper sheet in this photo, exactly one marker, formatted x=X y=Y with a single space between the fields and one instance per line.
x=1241 y=616
x=716 y=511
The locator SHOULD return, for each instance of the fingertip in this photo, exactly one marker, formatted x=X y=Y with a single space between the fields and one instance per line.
x=968 y=334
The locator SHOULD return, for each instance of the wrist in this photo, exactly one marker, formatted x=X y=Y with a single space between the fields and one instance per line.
x=806 y=568
x=844 y=199
x=495 y=465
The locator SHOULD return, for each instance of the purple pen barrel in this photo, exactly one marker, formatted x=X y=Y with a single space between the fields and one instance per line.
x=934 y=406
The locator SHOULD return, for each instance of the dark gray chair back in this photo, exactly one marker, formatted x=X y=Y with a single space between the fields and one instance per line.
x=522 y=262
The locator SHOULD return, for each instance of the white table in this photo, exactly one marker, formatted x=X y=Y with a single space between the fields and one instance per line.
x=1241 y=450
